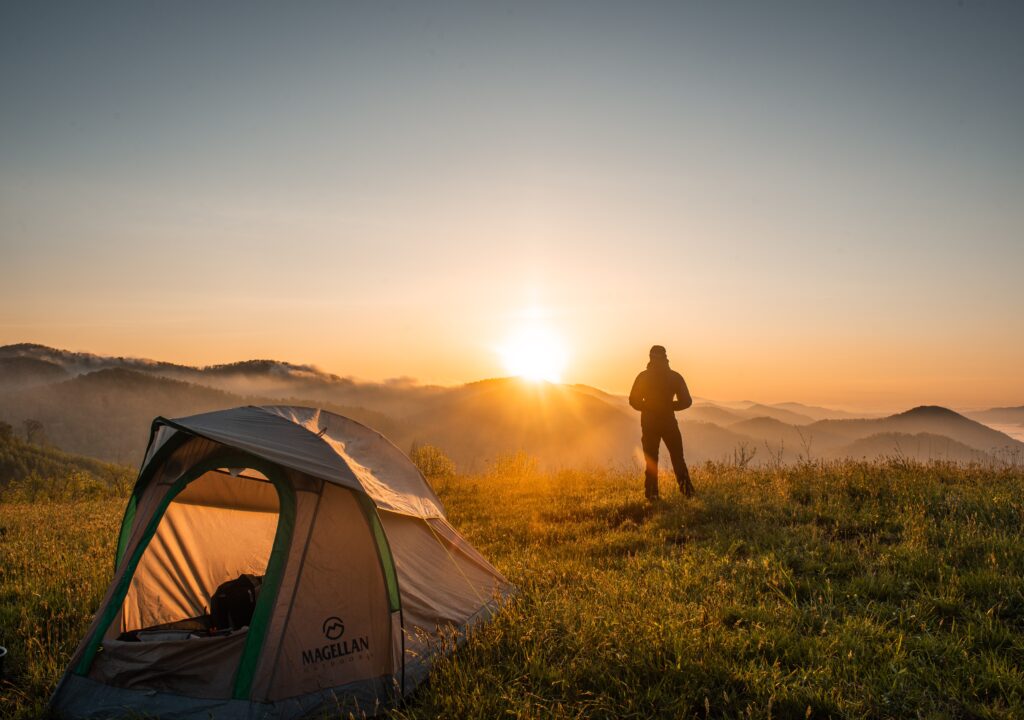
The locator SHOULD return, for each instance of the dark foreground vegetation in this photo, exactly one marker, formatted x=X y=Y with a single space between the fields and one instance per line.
x=850 y=590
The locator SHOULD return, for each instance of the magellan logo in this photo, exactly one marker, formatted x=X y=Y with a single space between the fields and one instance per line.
x=336 y=650
x=334 y=628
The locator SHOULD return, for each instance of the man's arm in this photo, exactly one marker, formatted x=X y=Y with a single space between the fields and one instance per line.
x=683 y=393
x=636 y=397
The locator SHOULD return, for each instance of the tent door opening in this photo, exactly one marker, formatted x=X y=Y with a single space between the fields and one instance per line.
x=198 y=589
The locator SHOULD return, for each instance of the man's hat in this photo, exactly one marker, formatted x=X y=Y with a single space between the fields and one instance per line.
x=658 y=351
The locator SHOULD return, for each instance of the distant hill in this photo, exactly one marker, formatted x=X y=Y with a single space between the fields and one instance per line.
x=929 y=419
x=273 y=379
x=841 y=438
x=103 y=407
x=76 y=363
x=617 y=401
x=789 y=413
x=816 y=413
x=557 y=423
x=18 y=372
x=1009 y=420
x=709 y=413
x=706 y=441
x=561 y=425
x=107 y=414
x=923 y=447
x=788 y=442
x=1000 y=415
x=777 y=413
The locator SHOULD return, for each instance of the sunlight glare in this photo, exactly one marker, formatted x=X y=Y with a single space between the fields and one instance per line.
x=535 y=353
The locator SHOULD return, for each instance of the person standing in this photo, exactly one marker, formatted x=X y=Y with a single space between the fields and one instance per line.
x=658 y=392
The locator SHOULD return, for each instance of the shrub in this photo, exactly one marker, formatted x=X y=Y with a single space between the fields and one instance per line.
x=432 y=461
x=519 y=465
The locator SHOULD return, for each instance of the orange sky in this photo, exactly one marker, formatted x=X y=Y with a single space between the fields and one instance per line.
x=388 y=192
x=721 y=357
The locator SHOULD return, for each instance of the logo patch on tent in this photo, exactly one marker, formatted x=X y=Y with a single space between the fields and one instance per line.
x=334 y=628
x=336 y=650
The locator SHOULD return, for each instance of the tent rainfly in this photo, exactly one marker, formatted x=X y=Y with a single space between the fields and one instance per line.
x=275 y=562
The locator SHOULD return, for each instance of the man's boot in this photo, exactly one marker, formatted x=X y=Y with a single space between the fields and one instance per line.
x=651 y=487
x=685 y=486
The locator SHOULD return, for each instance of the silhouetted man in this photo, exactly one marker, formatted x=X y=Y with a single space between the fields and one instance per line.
x=654 y=394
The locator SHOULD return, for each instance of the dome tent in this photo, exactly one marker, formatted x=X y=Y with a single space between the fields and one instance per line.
x=361 y=575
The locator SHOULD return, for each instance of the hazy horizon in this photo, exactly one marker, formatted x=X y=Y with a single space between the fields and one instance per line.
x=408 y=380
x=803 y=202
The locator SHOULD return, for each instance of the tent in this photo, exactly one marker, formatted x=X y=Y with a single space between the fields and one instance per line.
x=356 y=578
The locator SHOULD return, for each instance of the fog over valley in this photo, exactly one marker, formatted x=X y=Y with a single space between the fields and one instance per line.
x=102 y=407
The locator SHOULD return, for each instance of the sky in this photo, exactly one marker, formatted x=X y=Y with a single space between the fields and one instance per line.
x=819 y=202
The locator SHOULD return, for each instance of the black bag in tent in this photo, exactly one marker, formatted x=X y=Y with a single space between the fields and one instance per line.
x=233 y=602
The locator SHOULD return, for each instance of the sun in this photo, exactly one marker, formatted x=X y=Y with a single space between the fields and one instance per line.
x=535 y=353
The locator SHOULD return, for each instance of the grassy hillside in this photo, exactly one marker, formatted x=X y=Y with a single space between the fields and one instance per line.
x=849 y=590
x=28 y=472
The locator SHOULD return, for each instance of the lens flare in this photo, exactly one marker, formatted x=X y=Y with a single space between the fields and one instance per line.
x=535 y=353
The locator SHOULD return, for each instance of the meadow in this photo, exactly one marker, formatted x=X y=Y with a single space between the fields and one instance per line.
x=847 y=589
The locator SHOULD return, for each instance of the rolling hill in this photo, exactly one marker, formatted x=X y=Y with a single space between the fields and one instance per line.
x=1001 y=415
x=557 y=423
x=788 y=442
x=757 y=410
x=710 y=413
x=103 y=407
x=106 y=414
x=19 y=372
x=274 y=379
x=929 y=419
x=816 y=413
x=923 y=447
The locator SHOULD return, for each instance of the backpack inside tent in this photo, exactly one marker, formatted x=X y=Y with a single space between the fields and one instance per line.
x=275 y=562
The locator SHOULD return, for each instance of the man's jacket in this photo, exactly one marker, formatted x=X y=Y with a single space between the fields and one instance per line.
x=655 y=392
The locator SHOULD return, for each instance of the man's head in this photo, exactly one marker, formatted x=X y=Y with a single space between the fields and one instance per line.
x=658 y=353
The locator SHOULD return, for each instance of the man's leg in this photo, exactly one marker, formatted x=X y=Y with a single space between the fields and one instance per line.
x=650 y=440
x=674 y=443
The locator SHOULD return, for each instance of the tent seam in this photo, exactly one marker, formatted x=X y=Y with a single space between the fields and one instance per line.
x=298 y=579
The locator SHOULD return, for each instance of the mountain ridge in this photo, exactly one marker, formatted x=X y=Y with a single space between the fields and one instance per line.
x=106 y=413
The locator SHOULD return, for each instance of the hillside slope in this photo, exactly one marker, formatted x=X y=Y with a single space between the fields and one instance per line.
x=47 y=467
x=923 y=447
x=103 y=407
x=271 y=379
x=1000 y=415
x=107 y=414
x=928 y=419
x=21 y=372
x=556 y=423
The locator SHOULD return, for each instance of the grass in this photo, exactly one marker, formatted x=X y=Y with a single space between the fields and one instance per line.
x=855 y=590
